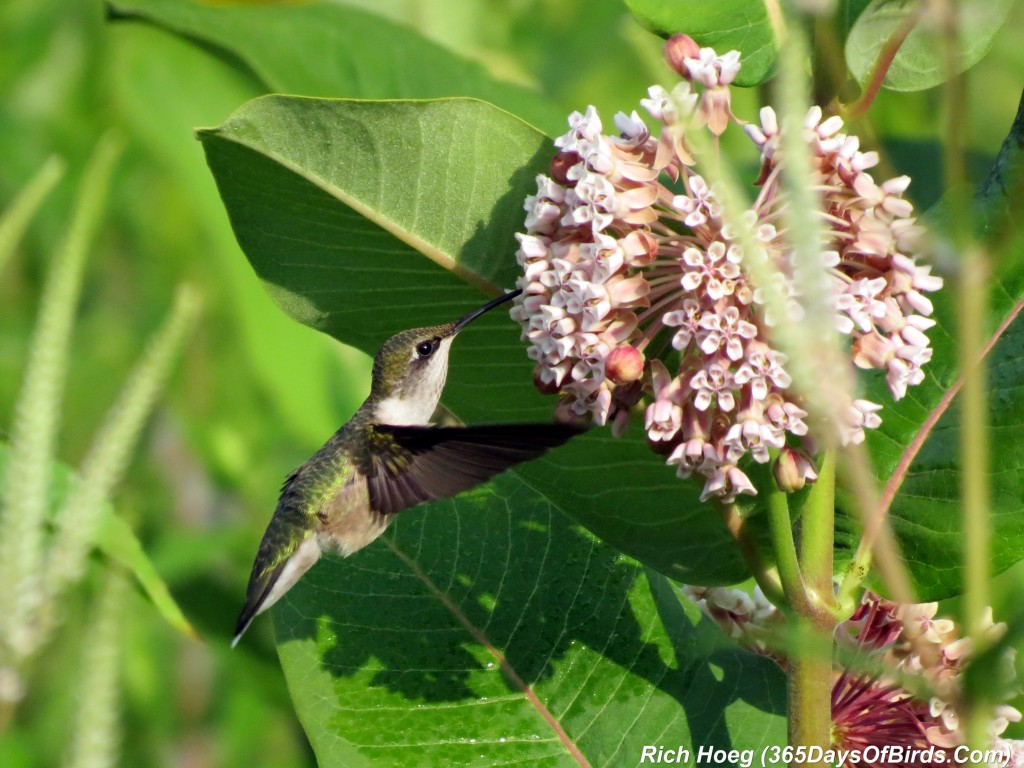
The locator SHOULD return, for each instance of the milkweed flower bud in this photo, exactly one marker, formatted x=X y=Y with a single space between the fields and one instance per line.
x=624 y=365
x=793 y=470
x=678 y=49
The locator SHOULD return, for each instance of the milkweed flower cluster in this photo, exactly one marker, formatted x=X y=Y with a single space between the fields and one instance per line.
x=902 y=682
x=636 y=291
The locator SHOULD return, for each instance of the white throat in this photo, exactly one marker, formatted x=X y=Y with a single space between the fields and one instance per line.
x=417 y=408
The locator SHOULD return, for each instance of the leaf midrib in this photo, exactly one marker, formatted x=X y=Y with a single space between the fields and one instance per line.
x=478 y=635
x=417 y=243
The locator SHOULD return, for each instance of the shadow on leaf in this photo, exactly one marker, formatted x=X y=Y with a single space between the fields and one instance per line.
x=429 y=614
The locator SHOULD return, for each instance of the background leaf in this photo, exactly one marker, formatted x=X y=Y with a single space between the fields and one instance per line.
x=724 y=25
x=116 y=540
x=345 y=210
x=336 y=51
x=489 y=630
x=920 y=62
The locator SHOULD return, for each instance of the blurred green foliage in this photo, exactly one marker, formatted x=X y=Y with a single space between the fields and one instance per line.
x=255 y=392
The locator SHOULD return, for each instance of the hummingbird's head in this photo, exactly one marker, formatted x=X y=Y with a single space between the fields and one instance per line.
x=409 y=371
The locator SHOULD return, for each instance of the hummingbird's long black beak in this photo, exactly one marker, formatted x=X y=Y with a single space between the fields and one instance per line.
x=465 y=320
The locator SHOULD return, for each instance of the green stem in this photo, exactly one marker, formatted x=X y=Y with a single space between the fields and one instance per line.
x=809 y=675
x=767 y=578
x=817 y=534
x=19 y=213
x=813 y=619
x=809 y=679
x=6 y=716
x=784 y=548
x=972 y=310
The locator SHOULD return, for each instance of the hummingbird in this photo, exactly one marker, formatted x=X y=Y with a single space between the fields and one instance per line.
x=385 y=459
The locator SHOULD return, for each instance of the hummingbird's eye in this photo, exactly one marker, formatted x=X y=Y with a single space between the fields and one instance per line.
x=425 y=348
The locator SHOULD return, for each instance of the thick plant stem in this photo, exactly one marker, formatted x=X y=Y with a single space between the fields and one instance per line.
x=809 y=684
x=812 y=621
x=817 y=534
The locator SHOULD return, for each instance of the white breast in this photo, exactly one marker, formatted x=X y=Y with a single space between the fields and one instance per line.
x=396 y=410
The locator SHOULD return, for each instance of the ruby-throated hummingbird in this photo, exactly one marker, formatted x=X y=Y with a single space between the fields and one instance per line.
x=385 y=459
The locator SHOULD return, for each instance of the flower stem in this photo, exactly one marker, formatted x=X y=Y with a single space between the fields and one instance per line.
x=972 y=312
x=877 y=541
x=817 y=535
x=809 y=674
x=886 y=56
x=785 y=553
x=807 y=581
x=767 y=578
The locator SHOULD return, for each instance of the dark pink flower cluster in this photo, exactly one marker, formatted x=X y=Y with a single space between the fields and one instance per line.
x=894 y=652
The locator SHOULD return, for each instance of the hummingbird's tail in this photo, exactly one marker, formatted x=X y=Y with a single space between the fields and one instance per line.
x=269 y=582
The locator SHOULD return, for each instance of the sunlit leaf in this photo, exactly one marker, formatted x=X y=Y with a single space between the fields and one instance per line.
x=922 y=58
x=489 y=630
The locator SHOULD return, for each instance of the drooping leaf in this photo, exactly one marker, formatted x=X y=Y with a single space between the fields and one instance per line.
x=116 y=540
x=329 y=49
x=367 y=218
x=921 y=61
x=489 y=630
x=725 y=25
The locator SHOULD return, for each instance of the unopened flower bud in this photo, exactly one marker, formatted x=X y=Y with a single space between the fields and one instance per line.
x=640 y=248
x=872 y=350
x=677 y=49
x=793 y=470
x=561 y=164
x=624 y=365
x=544 y=382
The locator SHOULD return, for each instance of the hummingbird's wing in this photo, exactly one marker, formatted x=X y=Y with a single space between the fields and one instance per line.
x=411 y=464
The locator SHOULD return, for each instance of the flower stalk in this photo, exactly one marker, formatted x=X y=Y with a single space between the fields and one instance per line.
x=767 y=577
x=36 y=416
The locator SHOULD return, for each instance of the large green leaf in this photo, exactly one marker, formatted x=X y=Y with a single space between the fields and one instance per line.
x=362 y=195
x=921 y=60
x=489 y=630
x=724 y=25
x=328 y=49
x=366 y=218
